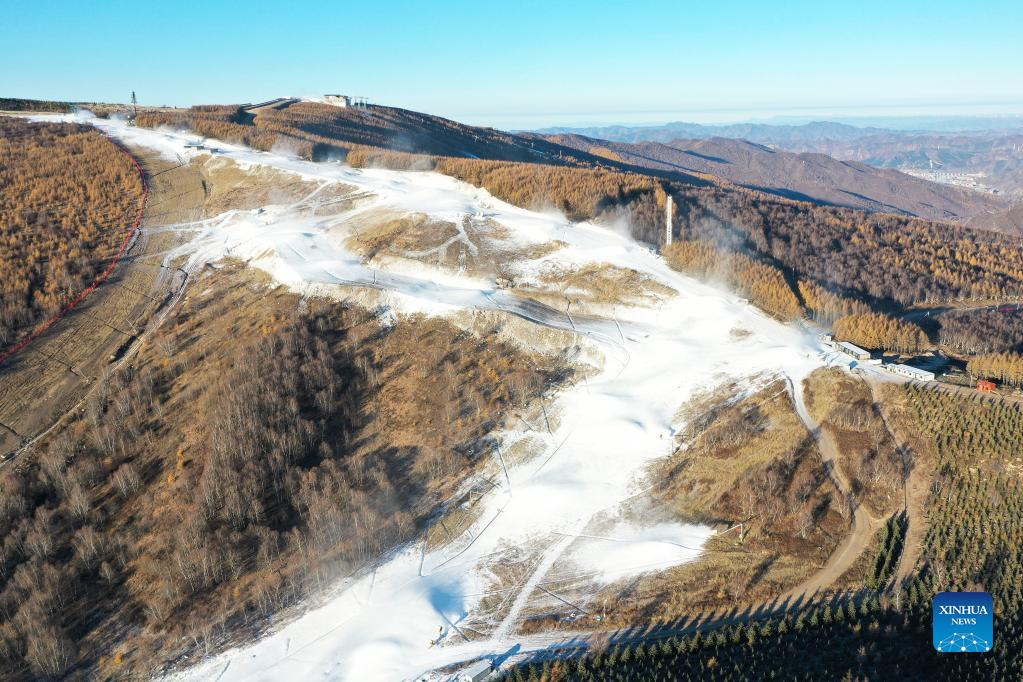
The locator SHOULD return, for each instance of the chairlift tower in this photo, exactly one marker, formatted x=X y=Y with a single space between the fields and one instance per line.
x=134 y=109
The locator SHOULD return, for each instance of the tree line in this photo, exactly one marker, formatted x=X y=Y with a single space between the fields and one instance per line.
x=877 y=330
x=764 y=284
x=1006 y=368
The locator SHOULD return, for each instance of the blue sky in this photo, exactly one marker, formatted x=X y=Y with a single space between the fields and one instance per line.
x=522 y=64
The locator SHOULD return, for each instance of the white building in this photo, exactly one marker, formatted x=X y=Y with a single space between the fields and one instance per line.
x=480 y=670
x=909 y=371
x=338 y=100
x=852 y=350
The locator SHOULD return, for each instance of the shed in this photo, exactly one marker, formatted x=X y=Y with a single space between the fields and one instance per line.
x=480 y=670
x=852 y=350
x=986 y=386
x=910 y=371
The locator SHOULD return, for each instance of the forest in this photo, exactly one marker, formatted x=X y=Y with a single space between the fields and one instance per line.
x=877 y=330
x=68 y=195
x=762 y=283
x=881 y=632
x=250 y=456
x=987 y=330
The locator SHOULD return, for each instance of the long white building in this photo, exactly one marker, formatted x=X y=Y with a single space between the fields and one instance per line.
x=909 y=371
x=852 y=350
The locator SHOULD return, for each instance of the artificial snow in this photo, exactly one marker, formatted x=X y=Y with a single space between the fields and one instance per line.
x=378 y=626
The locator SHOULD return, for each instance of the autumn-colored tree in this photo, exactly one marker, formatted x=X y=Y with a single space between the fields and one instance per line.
x=67 y=197
x=826 y=306
x=764 y=284
x=880 y=331
x=1003 y=367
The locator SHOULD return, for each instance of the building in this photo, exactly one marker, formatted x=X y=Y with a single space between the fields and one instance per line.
x=910 y=371
x=338 y=100
x=986 y=386
x=852 y=350
x=480 y=670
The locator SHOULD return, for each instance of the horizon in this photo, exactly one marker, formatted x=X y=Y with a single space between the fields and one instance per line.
x=526 y=65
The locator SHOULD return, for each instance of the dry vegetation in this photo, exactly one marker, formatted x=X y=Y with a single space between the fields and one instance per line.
x=605 y=284
x=825 y=306
x=747 y=460
x=67 y=199
x=250 y=455
x=398 y=234
x=870 y=458
x=227 y=123
x=15 y=104
x=229 y=186
x=1006 y=368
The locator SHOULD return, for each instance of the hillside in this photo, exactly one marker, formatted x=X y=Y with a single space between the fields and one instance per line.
x=322 y=131
x=996 y=158
x=68 y=202
x=807 y=177
x=1010 y=220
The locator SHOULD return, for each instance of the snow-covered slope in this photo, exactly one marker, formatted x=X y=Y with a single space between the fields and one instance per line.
x=561 y=507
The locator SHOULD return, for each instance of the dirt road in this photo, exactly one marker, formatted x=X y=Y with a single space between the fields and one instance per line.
x=863 y=524
x=917 y=489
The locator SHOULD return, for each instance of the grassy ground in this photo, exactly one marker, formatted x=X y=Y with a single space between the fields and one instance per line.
x=870 y=458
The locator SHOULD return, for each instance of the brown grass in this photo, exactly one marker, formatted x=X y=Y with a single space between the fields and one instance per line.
x=603 y=283
x=731 y=446
x=870 y=458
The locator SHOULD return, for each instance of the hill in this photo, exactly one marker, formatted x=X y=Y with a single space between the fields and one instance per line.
x=69 y=198
x=806 y=176
x=324 y=131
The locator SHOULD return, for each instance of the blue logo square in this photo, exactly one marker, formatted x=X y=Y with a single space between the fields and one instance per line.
x=964 y=622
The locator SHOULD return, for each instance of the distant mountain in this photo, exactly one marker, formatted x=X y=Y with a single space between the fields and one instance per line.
x=754 y=132
x=996 y=159
x=992 y=151
x=807 y=176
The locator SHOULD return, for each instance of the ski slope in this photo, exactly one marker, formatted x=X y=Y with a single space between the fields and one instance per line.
x=561 y=508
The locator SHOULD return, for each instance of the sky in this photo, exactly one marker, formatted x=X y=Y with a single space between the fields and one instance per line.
x=530 y=64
